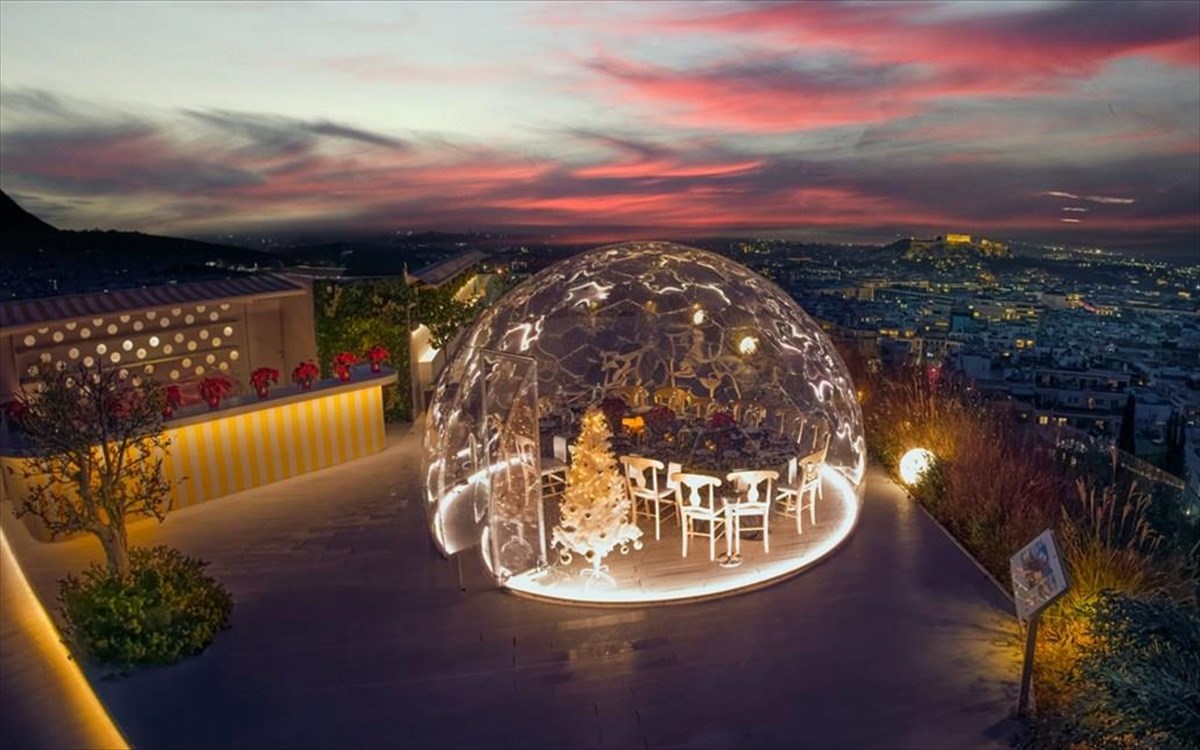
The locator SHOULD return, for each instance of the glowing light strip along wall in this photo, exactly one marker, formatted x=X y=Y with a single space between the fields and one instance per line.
x=230 y=454
x=75 y=703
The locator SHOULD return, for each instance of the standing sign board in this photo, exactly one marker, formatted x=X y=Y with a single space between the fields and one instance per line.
x=1037 y=580
x=1037 y=576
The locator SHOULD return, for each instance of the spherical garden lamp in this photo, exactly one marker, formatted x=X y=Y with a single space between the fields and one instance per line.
x=914 y=464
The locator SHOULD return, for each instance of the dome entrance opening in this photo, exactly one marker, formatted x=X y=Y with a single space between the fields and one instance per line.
x=644 y=422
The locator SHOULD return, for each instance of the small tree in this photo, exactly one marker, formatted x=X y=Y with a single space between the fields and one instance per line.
x=595 y=509
x=1175 y=460
x=443 y=314
x=96 y=451
x=1127 y=441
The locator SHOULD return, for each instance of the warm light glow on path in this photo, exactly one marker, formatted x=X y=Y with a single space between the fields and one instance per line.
x=61 y=681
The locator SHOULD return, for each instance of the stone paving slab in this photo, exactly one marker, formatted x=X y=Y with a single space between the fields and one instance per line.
x=351 y=631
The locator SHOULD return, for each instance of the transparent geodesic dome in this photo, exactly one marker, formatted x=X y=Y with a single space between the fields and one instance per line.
x=641 y=314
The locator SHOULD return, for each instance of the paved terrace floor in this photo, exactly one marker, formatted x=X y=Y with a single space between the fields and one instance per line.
x=350 y=630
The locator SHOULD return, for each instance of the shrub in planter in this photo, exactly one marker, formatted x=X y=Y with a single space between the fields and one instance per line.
x=1135 y=678
x=164 y=610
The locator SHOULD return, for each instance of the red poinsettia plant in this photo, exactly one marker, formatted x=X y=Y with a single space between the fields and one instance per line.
x=661 y=419
x=614 y=408
x=214 y=388
x=14 y=412
x=174 y=398
x=306 y=373
x=721 y=420
x=342 y=364
x=262 y=378
x=377 y=355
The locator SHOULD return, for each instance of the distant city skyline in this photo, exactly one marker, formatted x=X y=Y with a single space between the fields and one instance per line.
x=1070 y=123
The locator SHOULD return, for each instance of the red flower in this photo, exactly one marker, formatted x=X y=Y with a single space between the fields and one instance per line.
x=721 y=420
x=342 y=364
x=306 y=372
x=264 y=376
x=14 y=411
x=174 y=396
x=345 y=359
x=661 y=418
x=377 y=354
x=121 y=404
x=216 y=388
x=614 y=408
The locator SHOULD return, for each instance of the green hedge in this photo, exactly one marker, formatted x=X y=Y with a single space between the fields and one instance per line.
x=355 y=314
x=1138 y=677
x=164 y=610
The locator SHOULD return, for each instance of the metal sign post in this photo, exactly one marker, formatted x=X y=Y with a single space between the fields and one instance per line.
x=1027 y=669
x=1038 y=580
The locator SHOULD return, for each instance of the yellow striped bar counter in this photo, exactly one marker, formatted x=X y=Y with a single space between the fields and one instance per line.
x=248 y=442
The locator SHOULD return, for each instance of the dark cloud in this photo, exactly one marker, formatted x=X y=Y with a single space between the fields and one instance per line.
x=886 y=161
x=272 y=136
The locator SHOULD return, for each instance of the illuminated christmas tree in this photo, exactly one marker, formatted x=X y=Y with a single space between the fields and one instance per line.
x=595 y=508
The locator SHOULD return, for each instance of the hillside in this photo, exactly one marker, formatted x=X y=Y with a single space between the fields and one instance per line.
x=951 y=245
x=16 y=220
x=37 y=260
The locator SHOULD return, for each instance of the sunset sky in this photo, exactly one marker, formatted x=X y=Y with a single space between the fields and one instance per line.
x=1073 y=123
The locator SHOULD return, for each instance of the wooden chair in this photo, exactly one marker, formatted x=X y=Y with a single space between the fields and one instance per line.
x=700 y=406
x=803 y=487
x=675 y=398
x=696 y=495
x=641 y=484
x=750 y=414
x=755 y=494
x=633 y=395
x=554 y=470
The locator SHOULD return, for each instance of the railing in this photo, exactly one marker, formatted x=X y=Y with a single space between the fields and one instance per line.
x=1087 y=454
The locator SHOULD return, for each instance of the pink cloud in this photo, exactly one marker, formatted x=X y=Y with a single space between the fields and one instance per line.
x=1074 y=38
x=757 y=98
x=813 y=65
x=232 y=172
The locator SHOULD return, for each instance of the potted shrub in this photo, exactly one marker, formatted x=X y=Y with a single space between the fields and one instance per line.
x=306 y=374
x=215 y=388
x=262 y=378
x=721 y=420
x=661 y=420
x=614 y=409
x=342 y=364
x=173 y=397
x=14 y=412
x=376 y=356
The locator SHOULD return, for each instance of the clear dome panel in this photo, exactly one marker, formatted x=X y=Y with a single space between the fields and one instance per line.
x=647 y=322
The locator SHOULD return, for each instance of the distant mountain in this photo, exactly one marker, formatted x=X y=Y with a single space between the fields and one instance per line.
x=37 y=260
x=16 y=220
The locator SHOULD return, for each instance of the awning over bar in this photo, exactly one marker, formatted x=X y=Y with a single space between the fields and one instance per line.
x=23 y=314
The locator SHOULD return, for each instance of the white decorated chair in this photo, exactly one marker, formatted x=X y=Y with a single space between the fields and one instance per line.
x=554 y=470
x=634 y=396
x=674 y=398
x=755 y=492
x=701 y=406
x=641 y=484
x=698 y=504
x=803 y=487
